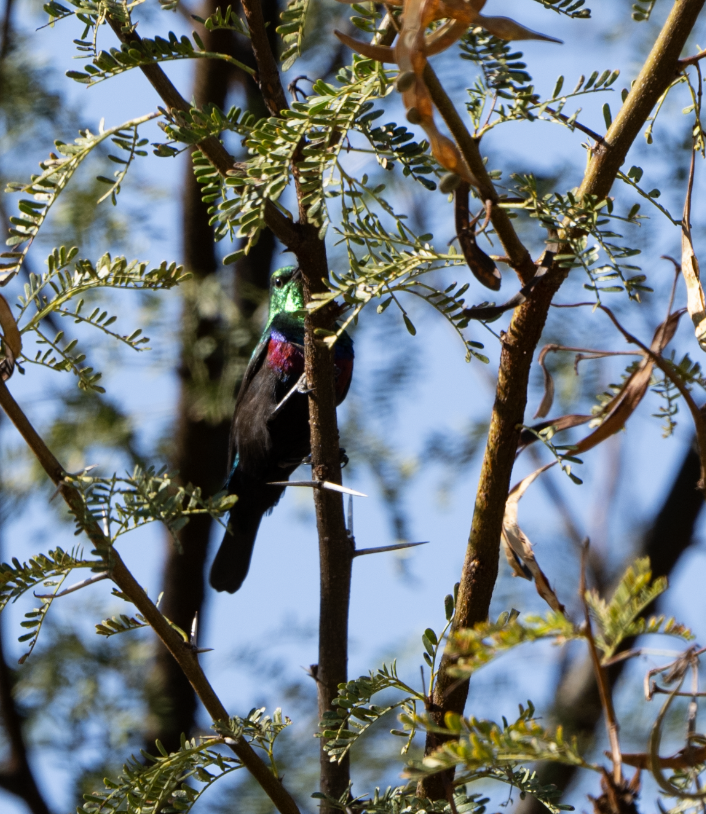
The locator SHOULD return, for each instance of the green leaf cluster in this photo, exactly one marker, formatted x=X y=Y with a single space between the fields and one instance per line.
x=163 y=783
x=146 y=496
x=484 y=749
x=292 y=31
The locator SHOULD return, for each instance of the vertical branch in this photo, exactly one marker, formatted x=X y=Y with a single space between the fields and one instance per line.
x=480 y=566
x=604 y=688
x=335 y=550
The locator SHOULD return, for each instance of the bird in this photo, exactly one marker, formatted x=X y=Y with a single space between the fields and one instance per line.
x=270 y=434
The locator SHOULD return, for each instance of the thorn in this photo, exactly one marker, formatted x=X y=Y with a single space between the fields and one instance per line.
x=76 y=587
x=193 y=638
x=318 y=484
x=296 y=389
x=398 y=547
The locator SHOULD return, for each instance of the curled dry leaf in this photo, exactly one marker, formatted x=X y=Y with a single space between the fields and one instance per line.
x=548 y=397
x=414 y=46
x=11 y=340
x=624 y=404
x=517 y=545
x=695 y=300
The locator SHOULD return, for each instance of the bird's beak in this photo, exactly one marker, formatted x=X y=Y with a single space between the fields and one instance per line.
x=297 y=274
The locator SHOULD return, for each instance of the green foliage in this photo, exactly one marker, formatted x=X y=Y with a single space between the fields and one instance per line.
x=485 y=749
x=197 y=124
x=56 y=174
x=120 y=624
x=115 y=61
x=292 y=31
x=475 y=647
x=619 y=618
x=502 y=70
x=632 y=179
x=393 y=143
x=557 y=212
x=689 y=373
x=641 y=11
x=18 y=578
x=403 y=799
x=164 y=783
x=61 y=292
x=394 y=261
x=354 y=714
x=313 y=129
x=49 y=570
x=224 y=20
x=258 y=729
x=571 y=8
x=148 y=495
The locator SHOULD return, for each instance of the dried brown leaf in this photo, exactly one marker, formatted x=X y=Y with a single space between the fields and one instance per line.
x=518 y=543
x=12 y=340
x=624 y=404
x=548 y=397
x=695 y=300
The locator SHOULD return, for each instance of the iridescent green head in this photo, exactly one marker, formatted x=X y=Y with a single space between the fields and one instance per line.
x=286 y=293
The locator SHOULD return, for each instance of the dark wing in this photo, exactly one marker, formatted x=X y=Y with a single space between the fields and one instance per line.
x=255 y=363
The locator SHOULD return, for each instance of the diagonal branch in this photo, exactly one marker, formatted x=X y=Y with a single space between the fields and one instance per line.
x=182 y=651
x=283 y=228
x=518 y=255
x=268 y=77
x=480 y=566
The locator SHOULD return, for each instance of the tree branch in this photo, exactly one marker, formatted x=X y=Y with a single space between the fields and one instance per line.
x=182 y=651
x=284 y=229
x=480 y=566
x=268 y=77
x=518 y=255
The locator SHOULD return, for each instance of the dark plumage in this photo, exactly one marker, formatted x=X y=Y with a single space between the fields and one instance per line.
x=265 y=446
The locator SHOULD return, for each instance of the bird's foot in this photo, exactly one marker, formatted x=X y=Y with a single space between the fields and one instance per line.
x=303 y=386
x=344 y=459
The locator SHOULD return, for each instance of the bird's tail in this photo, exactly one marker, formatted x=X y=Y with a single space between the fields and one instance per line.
x=230 y=567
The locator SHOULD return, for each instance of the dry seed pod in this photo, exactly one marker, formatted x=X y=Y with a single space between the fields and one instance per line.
x=482 y=266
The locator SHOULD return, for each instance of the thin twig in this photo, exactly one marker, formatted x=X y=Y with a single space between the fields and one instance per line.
x=582 y=127
x=603 y=685
x=683 y=63
x=520 y=259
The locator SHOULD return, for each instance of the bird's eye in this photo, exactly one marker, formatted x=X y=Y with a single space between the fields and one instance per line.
x=279 y=282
